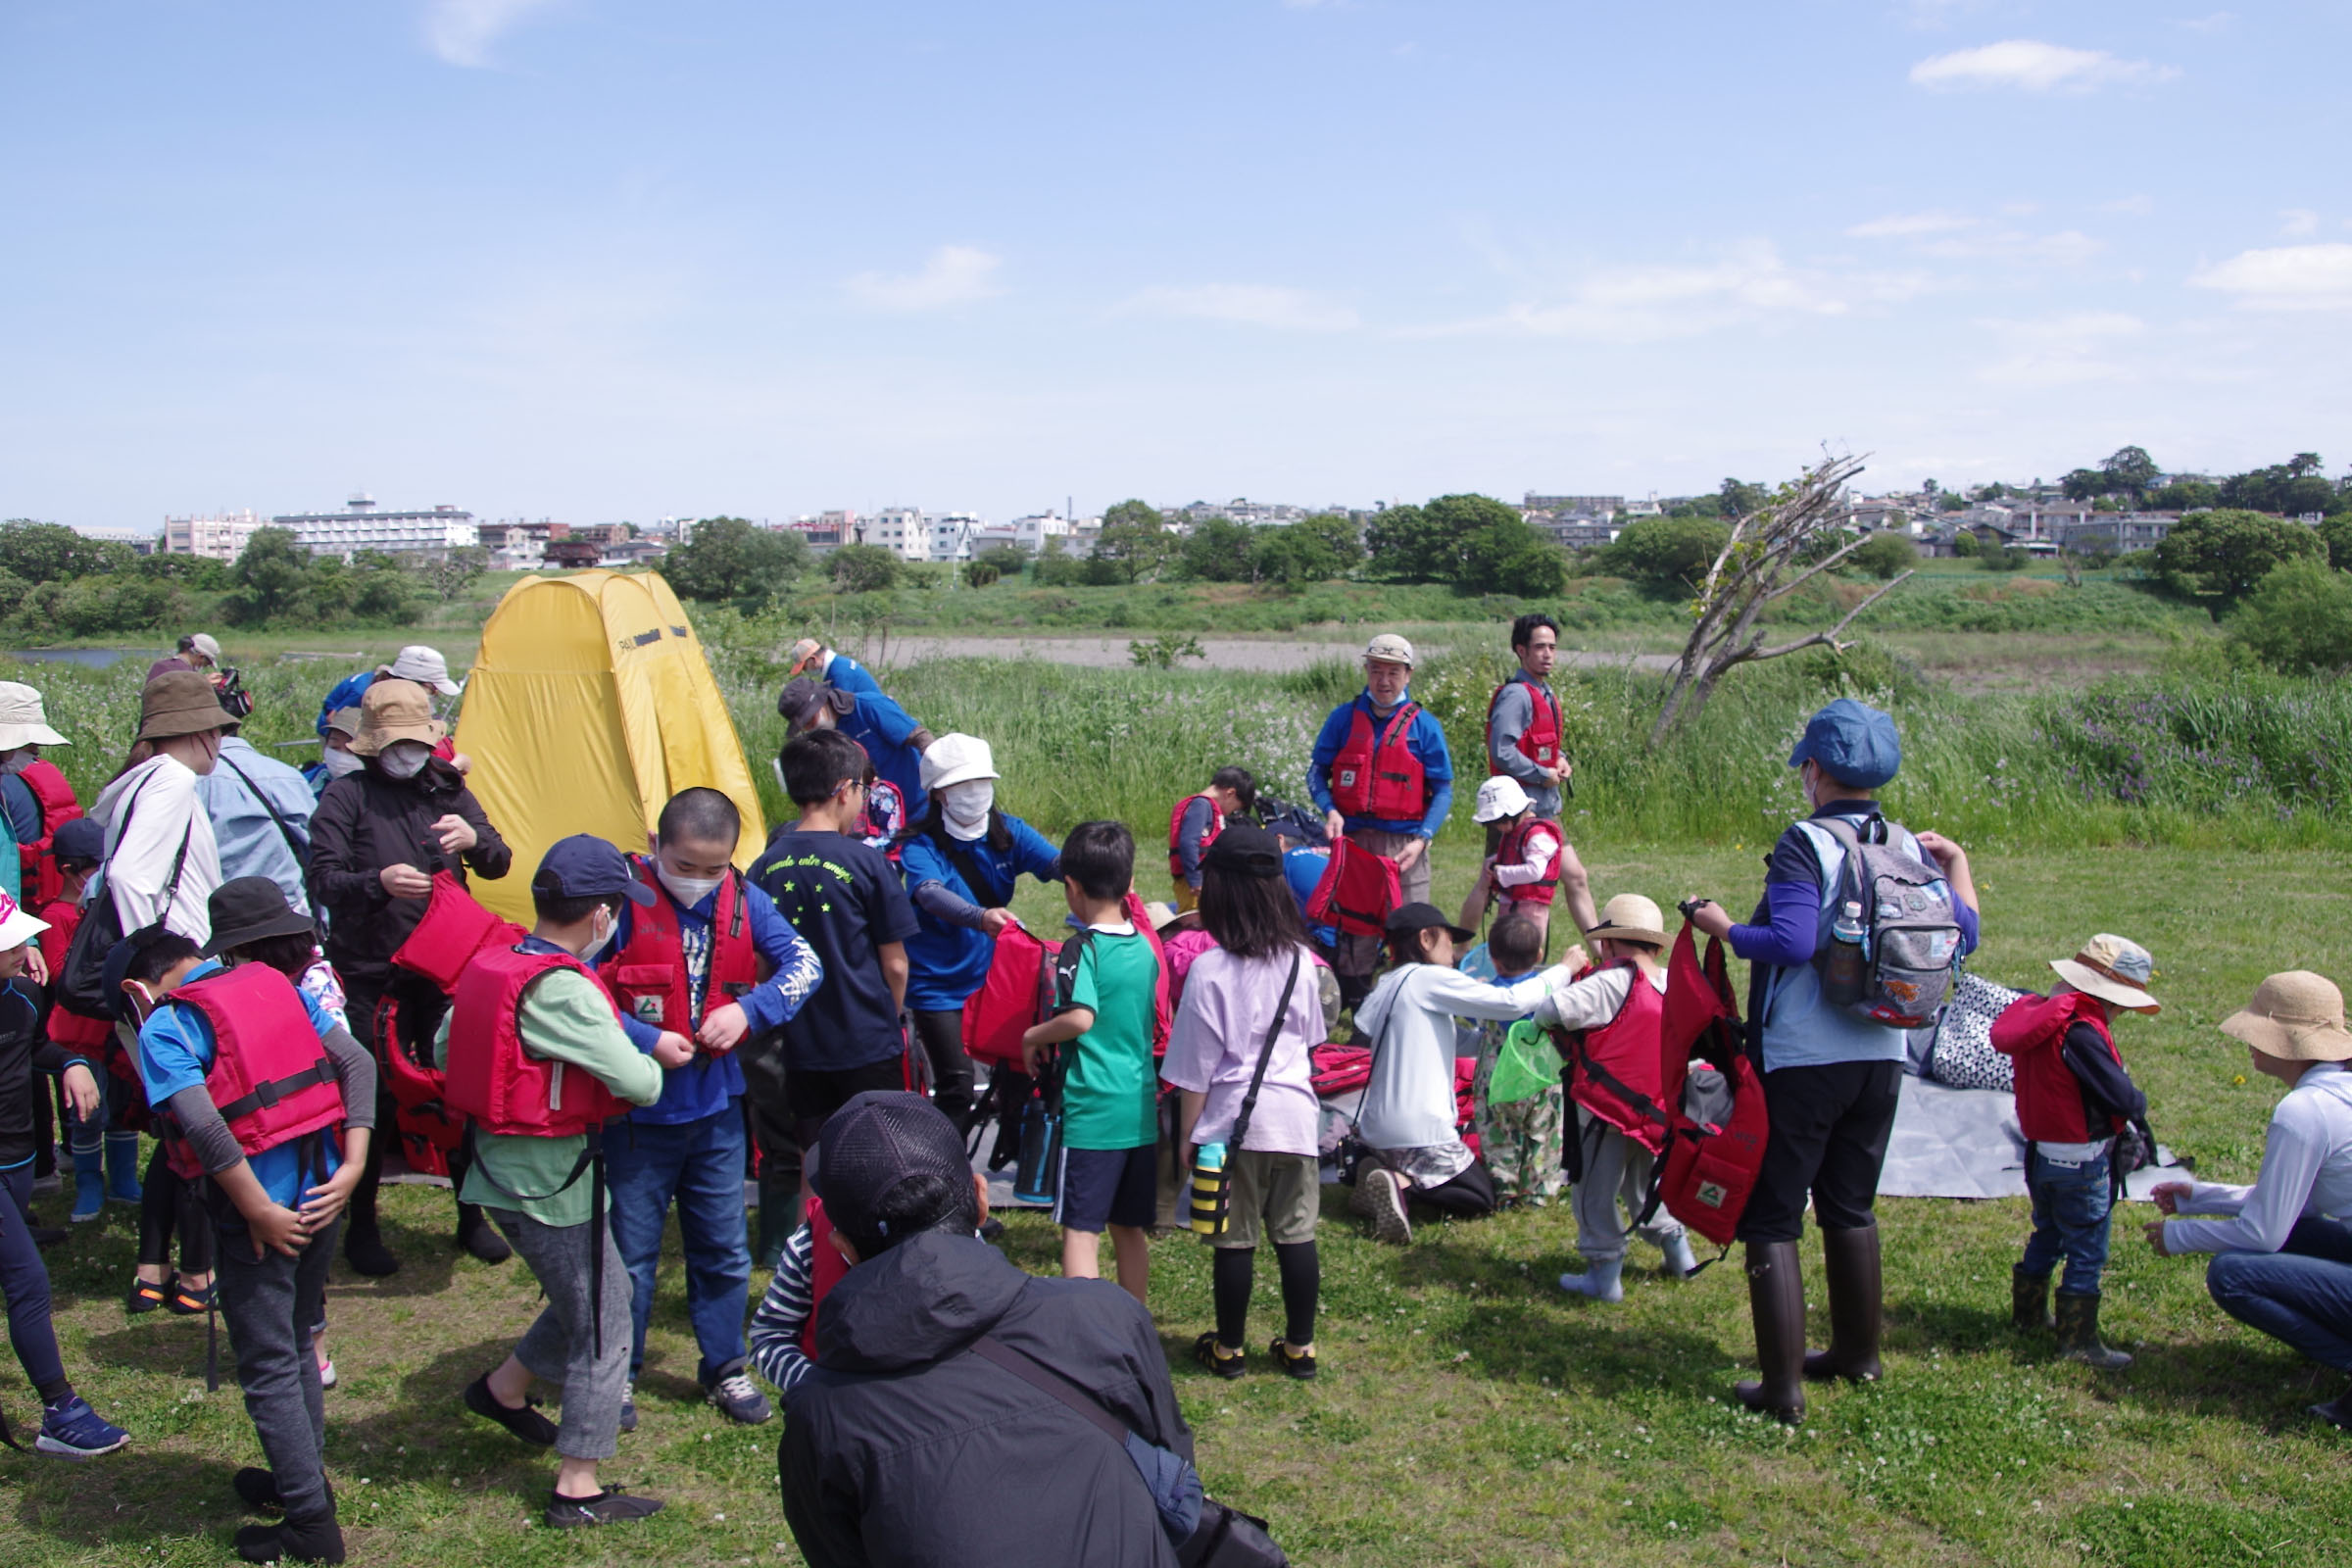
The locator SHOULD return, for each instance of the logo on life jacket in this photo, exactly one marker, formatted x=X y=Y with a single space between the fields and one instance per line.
x=1711 y=1193
x=649 y=977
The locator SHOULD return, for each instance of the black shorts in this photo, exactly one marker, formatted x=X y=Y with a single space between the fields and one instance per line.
x=813 y=1094
x=1107 y=1186
x=1829 y=1126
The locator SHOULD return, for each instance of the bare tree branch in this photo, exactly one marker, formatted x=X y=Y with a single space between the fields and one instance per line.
x=1831 y=636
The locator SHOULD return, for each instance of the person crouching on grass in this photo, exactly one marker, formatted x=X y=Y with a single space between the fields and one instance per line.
x=1229 y=1060
x=519 y=1018
x=1105 y=1000
x=252 y=1078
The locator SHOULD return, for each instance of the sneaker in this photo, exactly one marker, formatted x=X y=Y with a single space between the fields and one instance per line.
x=47 y=1236
x=1210 y=1353
x=736 y=1396
x=1302 y=1367
x=610 y=1506
x=291 y=1543
x=628 y=1407
x=185 y=1302
x=145 y=1295
x=1386 y=1200
x=71 y=1430
x=326 y=1374
x=527 y=1423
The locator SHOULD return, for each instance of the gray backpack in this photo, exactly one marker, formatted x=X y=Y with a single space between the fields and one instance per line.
x=1907 y=935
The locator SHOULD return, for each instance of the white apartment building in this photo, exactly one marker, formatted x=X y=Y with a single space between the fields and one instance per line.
x=360 y=527
x=1028 y=534
x=948 y=535
x=902 y=531
x=222 y=536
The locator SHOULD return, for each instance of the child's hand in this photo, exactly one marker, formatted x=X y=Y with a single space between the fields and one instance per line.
x=279 y=1229
x=2168 y=1195
x=322 y=1203
x=723 y=1028
x=673 y=1050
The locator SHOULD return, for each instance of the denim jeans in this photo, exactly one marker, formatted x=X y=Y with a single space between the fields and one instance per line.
x=701 y=1165
x=2301 y=1293
x=2072 y=1208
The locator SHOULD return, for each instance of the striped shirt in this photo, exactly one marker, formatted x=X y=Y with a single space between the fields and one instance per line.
x=783 y=1312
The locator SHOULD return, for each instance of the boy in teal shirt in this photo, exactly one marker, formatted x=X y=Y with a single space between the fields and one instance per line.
x=1106 y=990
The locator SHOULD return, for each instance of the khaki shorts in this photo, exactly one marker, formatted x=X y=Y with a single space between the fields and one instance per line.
x=1283 y=1191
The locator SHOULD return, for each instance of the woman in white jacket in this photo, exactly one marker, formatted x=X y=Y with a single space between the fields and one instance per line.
x=159 y=840
x=1408 y=1118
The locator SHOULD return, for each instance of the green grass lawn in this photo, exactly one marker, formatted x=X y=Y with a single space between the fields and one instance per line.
x=1468 y=1411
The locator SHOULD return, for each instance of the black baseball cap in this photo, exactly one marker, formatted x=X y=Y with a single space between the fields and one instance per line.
x=1414 y=917
x=585 y=866
x=1243 y=849
x=873 y=1146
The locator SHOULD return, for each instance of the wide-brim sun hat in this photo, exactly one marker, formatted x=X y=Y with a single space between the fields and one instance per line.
x=394 y=711
x=251 y=908
x=22 y=722
x=1499 y=797
x=958 y=759
x=2296 y=1016
x=1630 y=918
x=17 y=924
x=2113 y=969
x=180 y=702
x=426 y=667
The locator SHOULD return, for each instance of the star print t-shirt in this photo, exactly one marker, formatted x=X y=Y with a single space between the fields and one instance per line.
x=845 y=899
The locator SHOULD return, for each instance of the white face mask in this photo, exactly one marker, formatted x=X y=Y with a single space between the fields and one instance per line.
x=17 y=760
x=342 y=765
x=966 y=806
x=603 y=939
x=403 y=759
x=689 y=891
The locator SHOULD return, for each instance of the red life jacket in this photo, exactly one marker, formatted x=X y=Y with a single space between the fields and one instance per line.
x=271 y=1079
x=1065 y=969
x=1512 y=850
x=42 y=881
x=495 y=1083
x=1710 y=1168
x=455 y=927
x=1018 y=992
x=1381 y=778
x=1540 y=742
x=1358 y=891
x=2049 y=1097
x=1618 y=1071
x=1216 y=825
x=826 y=1266
x=647 y=977
x=79 y=1032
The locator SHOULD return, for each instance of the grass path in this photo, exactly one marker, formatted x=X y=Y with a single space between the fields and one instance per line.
x=1469 y=1412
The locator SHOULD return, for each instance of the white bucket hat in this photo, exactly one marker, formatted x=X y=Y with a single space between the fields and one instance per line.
x=17 y=926
x=955 y=758
x=1499 y=797
x=1390 y=649
x=426 y=667
x=2113 y=969
x=22 y=719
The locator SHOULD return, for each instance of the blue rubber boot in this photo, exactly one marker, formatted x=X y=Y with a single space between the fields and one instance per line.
x=122 y=1182
x=89 y=1185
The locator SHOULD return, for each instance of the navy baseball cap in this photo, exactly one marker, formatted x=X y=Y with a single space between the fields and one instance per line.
x=585 y=866
x=1854 y=743
x=82 y=839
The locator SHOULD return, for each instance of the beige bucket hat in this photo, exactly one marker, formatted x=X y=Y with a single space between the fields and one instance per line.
x=2113 y=969
x=22 y=722
x=2296 y=1016
x=1390 y=649
x=1630 y=918
x=395 y=711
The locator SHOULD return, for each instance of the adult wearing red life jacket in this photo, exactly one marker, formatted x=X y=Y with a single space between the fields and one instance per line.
x=1196 y=822
x=35 y=800
x=1523 y=717
x=1382 y=779
x=1612 y=1012
x=537 y=1060
x=1530 y=856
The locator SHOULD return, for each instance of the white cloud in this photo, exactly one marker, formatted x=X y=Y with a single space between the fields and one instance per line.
x=461 y=32
x=956 y=274
x=2029 y=65
x=2283 y=277
x=2219 y=21
x=1288 y=310
x=2129 y=206
x=2061 y=350
x=2298 y=223
x=1957 y=236
x=1911 y=226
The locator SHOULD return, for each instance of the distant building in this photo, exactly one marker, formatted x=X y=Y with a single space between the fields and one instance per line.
x=222 y=536
x=1240 y=508
x=1026 y=534
x=571 y=555
x=515 y=544
x=1594 y=506
x=899 y=530
x=2118 y=532
x=360 y=527
x=631 y=553
x=825 y=531
x=948 y=535
x=1579 y=530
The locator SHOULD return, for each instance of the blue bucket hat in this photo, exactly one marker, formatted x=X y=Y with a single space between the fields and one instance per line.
x=1854 y=743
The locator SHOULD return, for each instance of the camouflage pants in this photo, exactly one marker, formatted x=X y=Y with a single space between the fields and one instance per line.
x=1521 y=1142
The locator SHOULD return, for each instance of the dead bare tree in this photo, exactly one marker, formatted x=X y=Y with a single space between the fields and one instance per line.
x=1752 y=571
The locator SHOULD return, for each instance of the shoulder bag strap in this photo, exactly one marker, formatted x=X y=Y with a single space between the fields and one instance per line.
x=296 y=845
x=1265 y=1054
x=1046 y=1381
x=179 y=860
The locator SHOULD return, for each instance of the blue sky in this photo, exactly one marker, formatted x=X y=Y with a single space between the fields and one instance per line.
x=607 y=258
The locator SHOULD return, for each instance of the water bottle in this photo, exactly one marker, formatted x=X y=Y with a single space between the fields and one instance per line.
x=1842 y=966
x=1208 y=1189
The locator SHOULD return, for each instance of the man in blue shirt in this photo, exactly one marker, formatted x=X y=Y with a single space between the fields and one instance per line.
x=690 y=964
x=1382 y=779
x=261 y=810
x=894 y=739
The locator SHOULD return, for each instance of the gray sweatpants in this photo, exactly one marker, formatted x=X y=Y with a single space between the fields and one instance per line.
x=270 y=1307
x=1615 y=1167
x=560 y=1345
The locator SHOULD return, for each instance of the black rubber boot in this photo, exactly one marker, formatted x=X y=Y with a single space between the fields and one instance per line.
x=2078 y=1334
x=362 y=1239
x=2028 y=1300
x=477 y=1235
x=1776 y=1301
x=1851 y=1259
x=779 y=1213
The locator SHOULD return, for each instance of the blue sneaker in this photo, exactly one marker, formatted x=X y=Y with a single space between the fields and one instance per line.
x=74 y=1431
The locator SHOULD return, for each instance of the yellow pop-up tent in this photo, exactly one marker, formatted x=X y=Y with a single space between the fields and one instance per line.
x=591 y=705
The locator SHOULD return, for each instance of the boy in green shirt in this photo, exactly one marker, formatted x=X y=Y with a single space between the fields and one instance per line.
x=1107 y=990
x=514 y=1010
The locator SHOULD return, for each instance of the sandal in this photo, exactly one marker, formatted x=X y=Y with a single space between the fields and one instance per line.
x=1302 y=1367
x=146 y=1295
x=1211 y=1354
x=185 y=1302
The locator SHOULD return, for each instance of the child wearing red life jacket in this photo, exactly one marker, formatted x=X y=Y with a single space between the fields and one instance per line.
x=1196 y=822
x=75 y=853
x=1524 y=873
x=2075 y=1099
x=266 y=1105
x=536 y=1058
x=1612 y=1013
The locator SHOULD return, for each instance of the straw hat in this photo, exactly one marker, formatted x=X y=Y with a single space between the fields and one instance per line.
x=394 y=711
x=180 y=702
x=2296 y=1016
x=22 y=720
x=2113 y=969
x=1630 y=918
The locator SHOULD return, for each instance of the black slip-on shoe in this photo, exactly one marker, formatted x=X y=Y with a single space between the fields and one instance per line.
x=610 y=1506
x=527 y=1423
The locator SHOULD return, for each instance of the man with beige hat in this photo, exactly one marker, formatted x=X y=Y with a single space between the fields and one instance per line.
x=35 y=800
x=2284 y=1263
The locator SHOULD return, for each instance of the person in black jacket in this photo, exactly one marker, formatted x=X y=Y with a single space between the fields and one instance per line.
x=376 y=838
x=899 y=1445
